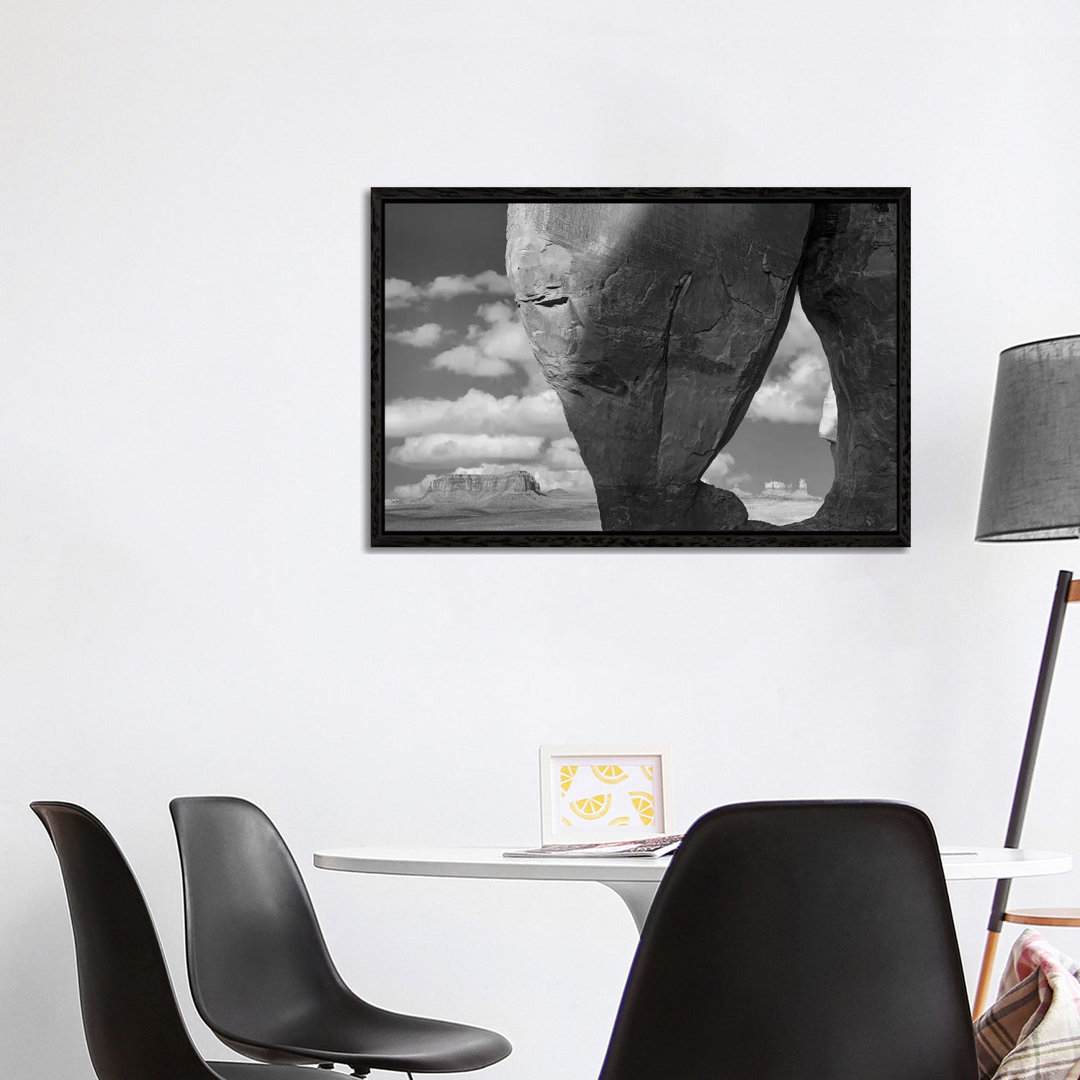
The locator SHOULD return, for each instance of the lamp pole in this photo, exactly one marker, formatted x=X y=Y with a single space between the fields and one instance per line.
x=1062 y=595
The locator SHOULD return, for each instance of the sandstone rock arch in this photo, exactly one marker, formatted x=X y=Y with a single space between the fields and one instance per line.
x=655 y=324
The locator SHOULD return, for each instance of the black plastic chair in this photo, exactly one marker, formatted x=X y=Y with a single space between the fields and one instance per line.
x=133 y=1026
x=259 y=969
x=798 y=941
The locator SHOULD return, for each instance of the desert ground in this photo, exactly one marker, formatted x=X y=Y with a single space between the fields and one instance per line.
x=785 y=510
x=567 y=514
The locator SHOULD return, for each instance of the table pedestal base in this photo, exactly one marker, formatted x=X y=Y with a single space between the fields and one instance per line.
x=637 y=896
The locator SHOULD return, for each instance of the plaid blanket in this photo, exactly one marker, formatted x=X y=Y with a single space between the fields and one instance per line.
x=1032 y=1031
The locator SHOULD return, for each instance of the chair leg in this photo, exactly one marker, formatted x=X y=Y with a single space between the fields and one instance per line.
x=982 y=992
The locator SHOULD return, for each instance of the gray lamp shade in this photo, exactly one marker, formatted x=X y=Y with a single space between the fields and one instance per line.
x=1031 y=486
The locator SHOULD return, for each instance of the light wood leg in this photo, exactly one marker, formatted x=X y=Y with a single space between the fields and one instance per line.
x=982 y=992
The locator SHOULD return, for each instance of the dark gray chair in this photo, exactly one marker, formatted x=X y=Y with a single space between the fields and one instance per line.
x=798 y=941
x=259 y=969
x=133 y=1026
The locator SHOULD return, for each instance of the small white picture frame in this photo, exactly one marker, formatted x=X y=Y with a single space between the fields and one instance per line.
x=590 y=794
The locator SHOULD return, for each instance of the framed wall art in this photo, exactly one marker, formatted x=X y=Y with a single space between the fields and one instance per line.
x=616 y=367
x=596 y=793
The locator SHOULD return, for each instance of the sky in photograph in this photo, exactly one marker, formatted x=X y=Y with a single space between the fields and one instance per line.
x=465 y=394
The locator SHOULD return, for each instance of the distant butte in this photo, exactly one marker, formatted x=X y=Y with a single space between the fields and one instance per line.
x=516 y=488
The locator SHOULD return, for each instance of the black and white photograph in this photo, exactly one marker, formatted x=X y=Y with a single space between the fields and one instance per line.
x=644 y=367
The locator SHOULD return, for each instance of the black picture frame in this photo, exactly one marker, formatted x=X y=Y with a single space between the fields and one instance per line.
x=894 y=532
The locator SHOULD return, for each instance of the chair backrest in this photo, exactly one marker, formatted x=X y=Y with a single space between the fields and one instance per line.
x=798 y=941
x=255 y=951
x=132 y=1022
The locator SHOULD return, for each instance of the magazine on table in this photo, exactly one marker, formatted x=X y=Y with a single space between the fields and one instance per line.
x=649 y=847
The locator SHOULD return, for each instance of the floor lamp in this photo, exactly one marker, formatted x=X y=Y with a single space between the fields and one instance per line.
x=1031 y=491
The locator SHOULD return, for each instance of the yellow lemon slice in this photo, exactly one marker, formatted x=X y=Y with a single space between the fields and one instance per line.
x=567 y=821
x=619 y=821
x=643 y=804
x=566 y=777
x=591 y=808
x=646 y=771
x=609 y=774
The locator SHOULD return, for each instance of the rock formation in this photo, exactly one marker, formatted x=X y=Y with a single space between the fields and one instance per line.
x=848 y=290
x=779 y=490
x=472 y=485
x=508 y=489
x=655 y=324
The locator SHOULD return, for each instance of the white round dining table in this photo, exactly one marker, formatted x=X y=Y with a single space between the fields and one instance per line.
x=636 y=879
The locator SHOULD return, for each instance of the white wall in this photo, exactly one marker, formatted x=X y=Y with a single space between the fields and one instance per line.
x=187 y=604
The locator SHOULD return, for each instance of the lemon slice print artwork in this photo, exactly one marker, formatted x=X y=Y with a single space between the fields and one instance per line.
x=643 y=804
x=592 y=808
x=609 y=774
x=566 y=777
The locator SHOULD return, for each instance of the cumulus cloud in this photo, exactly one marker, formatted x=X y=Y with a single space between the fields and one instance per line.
x=717 y=472
x=504 y=333
x=412 y=492
x=421 y=337
x=564 y=454
x=793 y=391
x=401 y=294
x=721 y=473
x=799 y=335
x=470 y=360
x=447 y=286
x=477 y=412
x=448 y=448
x=574 y=481
x=499 y=311
x=500 y=347
x=798 y=378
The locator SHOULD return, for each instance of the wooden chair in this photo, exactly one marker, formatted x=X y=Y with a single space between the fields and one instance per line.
x=1049 y=916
